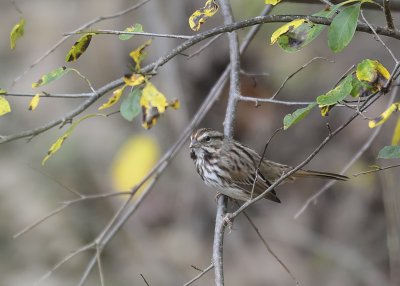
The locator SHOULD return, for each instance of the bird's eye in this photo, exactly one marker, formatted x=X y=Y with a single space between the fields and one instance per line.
x=207 y=139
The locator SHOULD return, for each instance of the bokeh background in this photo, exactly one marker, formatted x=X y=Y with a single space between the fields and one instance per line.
x=349 y=237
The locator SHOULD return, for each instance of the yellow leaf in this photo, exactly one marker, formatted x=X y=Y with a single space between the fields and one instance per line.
x=153 y=105
x=325 y=109
x=57 y=145
x=372 y=72
x=34 y=102
x=384 y=116
x=17 y=32
x=200 y=16
x=396 y=133
x=272 y=2
x=175 y=104
x=114 y=98
x=286 y=28
x=134 y=160
x=79 y=47
x=134 y=79
x=4 y=106
x=139 y=54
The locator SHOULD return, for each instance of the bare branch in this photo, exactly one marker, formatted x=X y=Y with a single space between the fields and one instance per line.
x=115 y=32
x=202 y=48
x=233 y=99
x=269 y=249
x=379 y=38
x=202 y=272
x=376 y=169
x=257 y=100
x=388 y=14
x=64 y=260
x=297 y=71
x=144 y=279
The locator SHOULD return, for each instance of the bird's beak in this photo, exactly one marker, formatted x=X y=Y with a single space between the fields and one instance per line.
x=193 y=143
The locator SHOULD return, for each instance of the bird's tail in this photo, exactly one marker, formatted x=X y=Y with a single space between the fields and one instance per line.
x=326 y=175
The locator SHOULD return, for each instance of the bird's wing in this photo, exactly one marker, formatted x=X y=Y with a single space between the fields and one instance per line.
x=245 y=182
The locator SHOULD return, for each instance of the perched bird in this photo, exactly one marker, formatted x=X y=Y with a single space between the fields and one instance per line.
x=230 y=167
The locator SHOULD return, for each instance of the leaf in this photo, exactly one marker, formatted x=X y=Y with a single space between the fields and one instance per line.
x=130 y=106
x=286 y=28
x=372 y=72
x=133 y=161
x=301 y=36
x=396 y=133
x=134 y=79
x=4 y=106
x=79 y=47
x=389 y=152
x=384 y=116
x=114 y=98
x=60 y=141
x=2 y=91
x=297 y=116
x=200 y=16
x=139 y=54
x=17 y=32
x=135 y=28
x=34 y=102
x=51 y=76
x=153 y=104
x=360 y=88
x=343 y=27
x=337 y=94
x=272 y=2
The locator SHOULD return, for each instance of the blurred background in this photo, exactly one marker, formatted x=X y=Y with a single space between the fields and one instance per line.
x=350 y=237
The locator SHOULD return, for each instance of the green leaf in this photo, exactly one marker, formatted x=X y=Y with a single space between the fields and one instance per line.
x=297 y=116
x=51 y=76
x=17 y=32
x=135 y=28
x=337 y=94
x=4 y=106
x=343 y=27
x=360 y=88
x=130 y=106
x=79 y=47
x=389 y=152
x=60 y=141
x=2 y=91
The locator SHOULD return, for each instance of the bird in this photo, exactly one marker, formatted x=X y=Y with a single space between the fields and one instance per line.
x=236 y=170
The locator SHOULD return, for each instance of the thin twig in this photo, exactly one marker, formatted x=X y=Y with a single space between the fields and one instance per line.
x=388 y=14
x=273 y=101
x=297 y=71
x=87 y=25
x=202 y=272
x=98 y=259
x=115 y=32
x=269 y=249
x=261 y=160
x=205 y=46
x=39 y=221
x=379 y=38
x=376 y=169
x=64 y=260
x=64 y=205
x=144 y=279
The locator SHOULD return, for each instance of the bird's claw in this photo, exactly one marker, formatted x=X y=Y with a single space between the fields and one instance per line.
x=228 y=221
